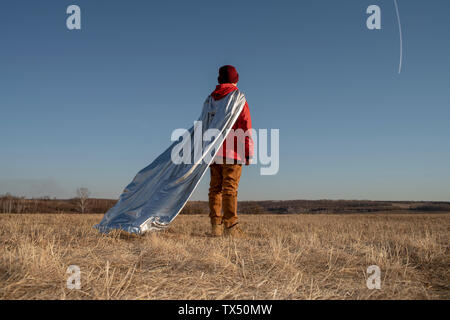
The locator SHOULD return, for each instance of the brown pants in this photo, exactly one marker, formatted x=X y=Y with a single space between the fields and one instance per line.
x=223 y=193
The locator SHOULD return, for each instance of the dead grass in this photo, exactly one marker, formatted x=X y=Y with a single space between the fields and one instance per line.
x=284 y=257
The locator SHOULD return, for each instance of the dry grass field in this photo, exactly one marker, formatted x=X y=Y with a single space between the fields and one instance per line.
x=283 y=257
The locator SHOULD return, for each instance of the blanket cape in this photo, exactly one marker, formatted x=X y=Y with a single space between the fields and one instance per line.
x=159 y=192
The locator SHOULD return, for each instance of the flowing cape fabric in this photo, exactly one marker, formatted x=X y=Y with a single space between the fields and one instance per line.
x=158 y=192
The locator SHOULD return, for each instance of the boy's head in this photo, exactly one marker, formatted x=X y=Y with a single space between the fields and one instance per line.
x=228 y=74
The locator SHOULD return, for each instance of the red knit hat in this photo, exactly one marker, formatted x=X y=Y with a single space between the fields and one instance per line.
x=228 y=74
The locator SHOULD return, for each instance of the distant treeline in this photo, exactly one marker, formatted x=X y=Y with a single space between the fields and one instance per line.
x=11 y=204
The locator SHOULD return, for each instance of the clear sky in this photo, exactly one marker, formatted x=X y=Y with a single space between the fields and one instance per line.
x=92 y=107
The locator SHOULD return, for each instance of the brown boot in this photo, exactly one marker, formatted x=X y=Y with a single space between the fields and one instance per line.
x=234 y=231
x=216 y=230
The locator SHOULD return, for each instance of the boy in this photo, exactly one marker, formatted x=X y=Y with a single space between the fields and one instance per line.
x=227 y=167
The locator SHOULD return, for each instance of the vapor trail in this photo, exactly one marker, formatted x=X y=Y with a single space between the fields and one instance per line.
x=401 y=37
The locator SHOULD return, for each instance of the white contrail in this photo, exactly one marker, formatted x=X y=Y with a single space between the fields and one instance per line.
x=401 y=37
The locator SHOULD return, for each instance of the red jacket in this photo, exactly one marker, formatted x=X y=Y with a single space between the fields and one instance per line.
x=243 y=122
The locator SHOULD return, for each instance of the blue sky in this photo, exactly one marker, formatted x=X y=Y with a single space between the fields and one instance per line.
x=92 y=107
